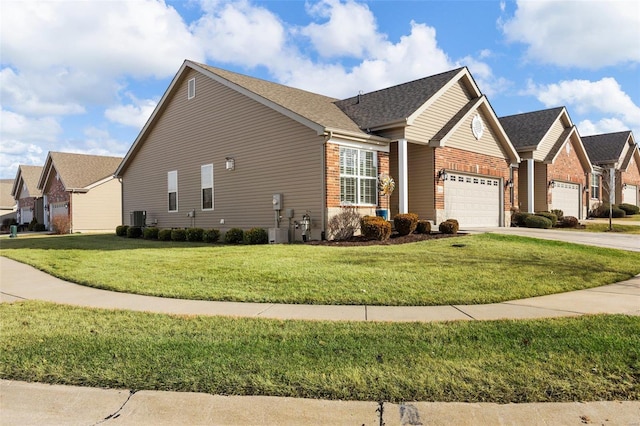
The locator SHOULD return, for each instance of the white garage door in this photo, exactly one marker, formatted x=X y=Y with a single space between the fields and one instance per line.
x=472 y=200
x=566 y=197
x=26 y=215
x=630 y=195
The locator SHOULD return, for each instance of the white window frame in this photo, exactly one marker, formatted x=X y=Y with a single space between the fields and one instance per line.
x=206 y=182
x=191 y=88
x=172 y=187
x=356 y=172
x=595 y=183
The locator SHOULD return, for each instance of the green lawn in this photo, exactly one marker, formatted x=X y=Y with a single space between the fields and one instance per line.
x=466 y=270
x=604 y=227
x=570 y=359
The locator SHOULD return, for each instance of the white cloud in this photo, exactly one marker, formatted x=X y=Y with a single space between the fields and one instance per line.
x=238 y=33
x=587 y=34
x=351 y=29
x=17 y=127
x=134 y=114
x=606 y=125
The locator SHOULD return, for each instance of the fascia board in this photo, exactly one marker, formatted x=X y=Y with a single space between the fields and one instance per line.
x=16 y=184
x=44 y=176
x=378 y=140
x=544 y=154
x=584 y=157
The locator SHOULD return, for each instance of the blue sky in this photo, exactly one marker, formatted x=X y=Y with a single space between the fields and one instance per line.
x=83 y=76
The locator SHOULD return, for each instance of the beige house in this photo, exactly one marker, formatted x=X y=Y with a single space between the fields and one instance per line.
x=617 y=153
x=27 y=195
x=226 y=150
x=555 y=168
x=80 y=192
x=7 y=203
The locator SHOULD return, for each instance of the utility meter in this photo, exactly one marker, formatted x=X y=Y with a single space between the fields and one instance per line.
x=277 y=201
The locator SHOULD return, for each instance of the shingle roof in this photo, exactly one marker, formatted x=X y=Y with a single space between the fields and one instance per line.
x=80 y=170
x=316 y=108
x=528 y=129
x=30 y=176
x=395 y=103
x=605 y=148
x=6 y=200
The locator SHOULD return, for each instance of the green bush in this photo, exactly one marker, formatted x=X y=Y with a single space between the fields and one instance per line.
x=164 y=235
x=629 y=209
x=423 y=227
x=234 y=236
x=375 y=228
x=552 y=217
x=31 y=226
x=559 y=213
x=603 y=211
x=569 y=222
x=518 y=218
x=536 y=221
x=39 y=227
x=211 y=236
x=134 y=232
x=449 y=226
x=178 y=234
x=150 y=233
x=256 y=236
x=194 y=234
x=121 y=230
x=405 y=223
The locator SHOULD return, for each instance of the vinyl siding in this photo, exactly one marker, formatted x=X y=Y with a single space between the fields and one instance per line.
x=523 y=190
x=99 y=209
x=549 y=141
x=438 y=114
x=273 y=154
x=421 y=197
x=540 y=202
x=488 y=144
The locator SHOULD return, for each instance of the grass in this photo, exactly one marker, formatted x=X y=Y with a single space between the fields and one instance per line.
x=485 y=269
x=570 y=359
x=604 y=227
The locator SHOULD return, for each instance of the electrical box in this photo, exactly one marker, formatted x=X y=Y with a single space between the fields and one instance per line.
x=290 y=214
x=277 y=201
x=278 y=235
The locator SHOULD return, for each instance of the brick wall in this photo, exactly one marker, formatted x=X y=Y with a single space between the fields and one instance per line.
x=567 y=168
x=26 y=203
x=56 y=192
x=469 y=162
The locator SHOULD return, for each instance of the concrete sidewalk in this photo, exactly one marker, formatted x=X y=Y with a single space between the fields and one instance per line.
x=23 y=282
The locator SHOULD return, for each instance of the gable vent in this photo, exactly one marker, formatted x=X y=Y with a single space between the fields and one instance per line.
x=191 y=89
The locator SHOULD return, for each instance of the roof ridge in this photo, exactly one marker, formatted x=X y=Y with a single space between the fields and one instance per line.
x=533 y=112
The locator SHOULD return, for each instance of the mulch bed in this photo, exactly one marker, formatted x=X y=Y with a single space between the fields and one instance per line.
x=395 y=239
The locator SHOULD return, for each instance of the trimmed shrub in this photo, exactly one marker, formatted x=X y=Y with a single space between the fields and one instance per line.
x=134 y=232
x=178 y=234
x=121 y=230
x=234 y=236
x=569 y=222
x=31 y=226
x=164 y=235
x=603 y=211
x=211 y=236
x=375 y=228
x=345 y=224
x=39 y=227
x=449 y=226
x=559 y=213
x=423 y=227
x=552 y=217
x=194 y=234
x=536 y=221
x=629 y=209
x=405 y=223
x=518 y=218
x=150 y=233
x=256 y=236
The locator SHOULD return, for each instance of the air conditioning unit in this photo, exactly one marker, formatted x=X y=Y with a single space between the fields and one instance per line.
x=139 y=218
x=278 y=235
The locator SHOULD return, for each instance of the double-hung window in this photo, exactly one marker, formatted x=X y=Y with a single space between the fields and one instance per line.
x=595 y=186
x=358 y=176
x=172 y=189
x=206 y=184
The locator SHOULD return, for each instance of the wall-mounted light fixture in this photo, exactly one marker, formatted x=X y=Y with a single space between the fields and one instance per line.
x=46 y=208
x=624 y=186
x=552 y=183
x=508 y=183
x=442 y=174
x=230 y=163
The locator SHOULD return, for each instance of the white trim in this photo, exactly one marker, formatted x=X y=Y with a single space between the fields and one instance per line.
x=169 y=174
x=191 y=88
x=530 y=184
x=403 y=177
x=203 y=187
x=358 y=176
x=359 y=145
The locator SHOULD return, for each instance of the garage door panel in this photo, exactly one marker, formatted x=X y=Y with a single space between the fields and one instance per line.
x=565 y=196
x=472 y=200
x=630 y=195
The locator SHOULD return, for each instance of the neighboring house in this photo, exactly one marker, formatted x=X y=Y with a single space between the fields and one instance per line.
x=555 y=168
x=81 y=192
x=220 y=145
x=26 y=193
x=7 y=203
x=617 y=152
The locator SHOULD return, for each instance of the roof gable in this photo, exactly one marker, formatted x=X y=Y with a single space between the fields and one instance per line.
x=570 y=135
x=27 y=177
x=527 y=131
x=77 y=171
x=607 y=148
x=6 y=200
x=401 y=103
